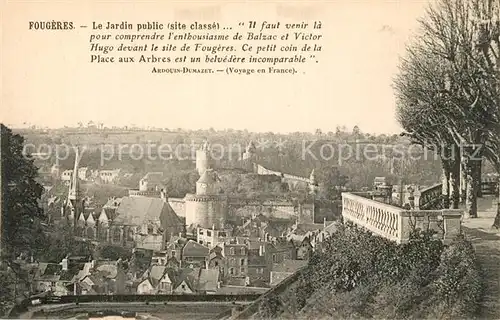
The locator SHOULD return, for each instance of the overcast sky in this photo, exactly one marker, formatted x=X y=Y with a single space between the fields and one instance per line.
x=48 y=80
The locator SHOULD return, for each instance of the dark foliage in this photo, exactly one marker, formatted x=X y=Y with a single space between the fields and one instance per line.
x=21 y=213
x=359 y=275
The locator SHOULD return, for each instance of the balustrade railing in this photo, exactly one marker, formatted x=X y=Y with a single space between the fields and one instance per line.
x=430 y=197
x=395 y=223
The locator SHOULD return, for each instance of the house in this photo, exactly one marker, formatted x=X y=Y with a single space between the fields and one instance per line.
x=174 y=247
x=144 y=222
x=195 y=254
x=101 y=277
x=302 y=245
x=216 y=259
x=258 y=266
x=156 y=280
x=152 y=181
x=199 y=280
x=236 y=261
x=109 y=176
x=185 y=282
x=146 y=287
x=55 y=277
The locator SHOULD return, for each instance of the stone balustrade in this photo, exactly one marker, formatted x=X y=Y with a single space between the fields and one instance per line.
x=429 y=195
x=395 y=223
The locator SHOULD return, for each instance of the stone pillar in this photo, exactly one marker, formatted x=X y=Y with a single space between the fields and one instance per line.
x=416 y=199
x=452 y=223
x=404 y=228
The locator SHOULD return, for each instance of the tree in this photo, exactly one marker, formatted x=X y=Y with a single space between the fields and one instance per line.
x=331 y=182
x=21 y=215
x=419 y=101
x=463 y=88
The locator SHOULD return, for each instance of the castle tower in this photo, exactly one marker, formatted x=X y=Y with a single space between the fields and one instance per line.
x=206 y=208
x=203 y=158
x=208 y=183
x=74 y=206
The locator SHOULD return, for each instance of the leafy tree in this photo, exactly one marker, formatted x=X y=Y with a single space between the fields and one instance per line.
x=114 y=252
x=21 y=213
x=458 y=92
x=331 y=182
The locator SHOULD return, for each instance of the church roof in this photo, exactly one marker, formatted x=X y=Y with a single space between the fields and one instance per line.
x=138 y=210
x=208 y=177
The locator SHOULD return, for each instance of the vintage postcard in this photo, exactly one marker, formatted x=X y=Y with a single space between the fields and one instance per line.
x=232 y=159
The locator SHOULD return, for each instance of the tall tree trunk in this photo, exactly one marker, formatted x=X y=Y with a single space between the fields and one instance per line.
x=463 y=181
x=445 y=176
x=496 y=223
x=479 y=180
x=455 y=183
x=472 y=160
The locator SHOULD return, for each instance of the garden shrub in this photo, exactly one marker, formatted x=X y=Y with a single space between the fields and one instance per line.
x=270 y=307
x=359 y=275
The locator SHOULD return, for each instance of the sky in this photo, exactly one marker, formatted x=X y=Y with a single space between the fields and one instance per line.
x=47 y=79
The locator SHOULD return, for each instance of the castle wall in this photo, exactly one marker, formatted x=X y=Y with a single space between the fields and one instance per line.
x=268 y=209
x=205 y=212
x=178 y=205
x=289 y=178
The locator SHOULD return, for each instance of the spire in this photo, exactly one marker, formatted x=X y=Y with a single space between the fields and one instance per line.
x=73 y=186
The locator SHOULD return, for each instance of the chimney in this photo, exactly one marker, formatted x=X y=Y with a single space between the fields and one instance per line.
x=262 y=250
x=65 y=264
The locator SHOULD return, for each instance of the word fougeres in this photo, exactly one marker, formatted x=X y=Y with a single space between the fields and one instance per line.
x=51 y=25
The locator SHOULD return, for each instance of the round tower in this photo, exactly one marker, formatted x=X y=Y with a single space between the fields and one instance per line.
x=206 y=208
x=203 y=158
